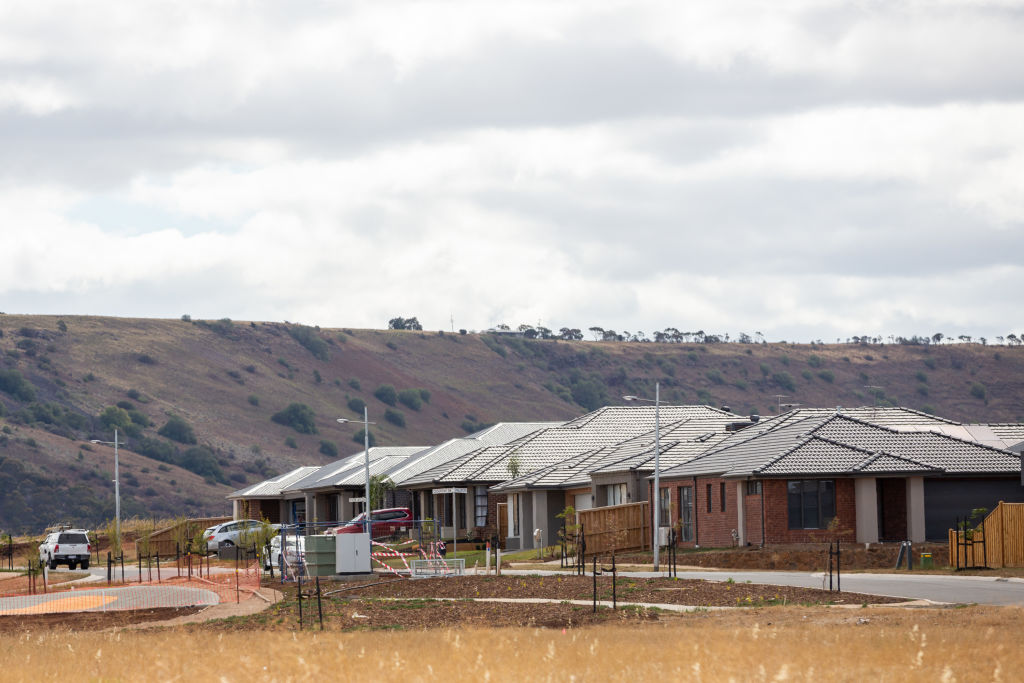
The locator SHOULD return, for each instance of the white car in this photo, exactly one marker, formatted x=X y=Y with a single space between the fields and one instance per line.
x=291 y=556
x=228 y=533
x=70 y=547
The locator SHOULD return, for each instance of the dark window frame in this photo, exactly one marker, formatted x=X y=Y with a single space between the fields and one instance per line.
x=664 y=506
x=754 y=487
x=709 y=498
x=810 y=503
x=686 y=514
x=721 y=494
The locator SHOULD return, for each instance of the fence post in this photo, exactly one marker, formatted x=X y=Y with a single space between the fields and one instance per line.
x=595 y=584
x=839 y=562
x=319 y=608
x=122 y=566
x=158 y=567
x=109 y=568
x=615 y=576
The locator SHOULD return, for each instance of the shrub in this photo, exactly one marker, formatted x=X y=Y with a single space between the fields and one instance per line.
x=310 y=340
x=13 y=384
x=176 y=429
x=930 y=363
x=202 y=461
x=354 y=383
x=425 y=395
x=254 y=400
x=186 y=318
x=765 y=370
x=922 y=390
x=146 y=359
x=395 y=417
x=784 y=380
x=827 y=375
x=299 y=417
x=358 y=437
x=806 y=374
x=356 y=405
x=157 y=450
x=290 y=442
x=715 y=376
x=136 y=395
x=251 y=369
x=386 y=393
x=978 y=391
x=317 y=377
x=410 y=398
x=113 y=417
x=329 y=448
x=921 y=377
x=126 y=405
x=139 y=418
x=814 y=361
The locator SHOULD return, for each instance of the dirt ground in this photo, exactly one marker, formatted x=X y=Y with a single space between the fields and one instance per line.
x=89 y=621
x=806 y=557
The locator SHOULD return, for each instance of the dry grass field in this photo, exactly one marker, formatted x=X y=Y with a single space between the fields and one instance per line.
x=773 y=644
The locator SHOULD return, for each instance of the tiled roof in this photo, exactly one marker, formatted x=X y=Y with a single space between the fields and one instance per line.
x=598 y=429
x=841 y=444
x=273 y=487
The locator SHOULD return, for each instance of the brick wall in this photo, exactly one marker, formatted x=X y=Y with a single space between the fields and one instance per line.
x=714 y=529
x=777 y=515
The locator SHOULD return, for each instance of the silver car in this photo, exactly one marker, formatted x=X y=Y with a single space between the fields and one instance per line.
x=228 y=533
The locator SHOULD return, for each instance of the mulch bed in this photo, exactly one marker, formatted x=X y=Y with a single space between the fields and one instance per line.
x=693 y=592
x=88 y=621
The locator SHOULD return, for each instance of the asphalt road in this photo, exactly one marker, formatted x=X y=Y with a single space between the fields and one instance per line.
x=951 y=589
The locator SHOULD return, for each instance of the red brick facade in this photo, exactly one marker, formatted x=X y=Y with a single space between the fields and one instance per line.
x=714 y=528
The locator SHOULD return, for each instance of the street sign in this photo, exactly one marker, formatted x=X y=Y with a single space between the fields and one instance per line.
x=441 y=492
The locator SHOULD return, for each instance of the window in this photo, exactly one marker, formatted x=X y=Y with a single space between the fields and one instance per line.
x=616 y=494
x=664 y=504
x=460 y=500
x=515 y=514
x=686 y=513
x=721 y=494
x=709 y=497
x=811 y=503
x=481 y=506
x=753 y=487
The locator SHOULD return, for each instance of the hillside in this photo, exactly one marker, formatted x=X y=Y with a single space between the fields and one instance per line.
x=65 y=380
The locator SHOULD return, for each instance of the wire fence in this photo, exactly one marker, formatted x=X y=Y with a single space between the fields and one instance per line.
x=148 y=583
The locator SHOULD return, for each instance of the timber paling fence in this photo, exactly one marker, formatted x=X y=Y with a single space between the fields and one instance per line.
x=174 y=581
x=617 y=528
x=997 y=542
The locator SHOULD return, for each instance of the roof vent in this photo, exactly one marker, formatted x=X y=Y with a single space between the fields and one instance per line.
x=726 y=409
x=754 y=417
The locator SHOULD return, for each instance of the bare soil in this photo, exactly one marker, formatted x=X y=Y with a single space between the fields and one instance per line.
x=89 y=621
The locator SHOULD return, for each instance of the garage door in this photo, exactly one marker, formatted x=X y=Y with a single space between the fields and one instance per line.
x=947 y=499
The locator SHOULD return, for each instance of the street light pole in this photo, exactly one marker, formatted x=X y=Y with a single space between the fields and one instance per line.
x=117 y=485
x=656 y=503
x=366 y=463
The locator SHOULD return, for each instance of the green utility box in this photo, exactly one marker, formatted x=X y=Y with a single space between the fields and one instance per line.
x=926 y=561
x=320 y=555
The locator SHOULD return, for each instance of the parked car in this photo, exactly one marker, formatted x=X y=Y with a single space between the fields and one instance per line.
x=385 y=522
x=295 y=551
x=229 y=533
x=70 y=547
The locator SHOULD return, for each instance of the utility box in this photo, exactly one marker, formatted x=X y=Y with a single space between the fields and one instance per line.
x=926 y=561
x=352 y=554
x=320 y=552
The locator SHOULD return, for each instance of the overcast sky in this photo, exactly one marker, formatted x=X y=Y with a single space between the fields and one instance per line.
x=803 y=169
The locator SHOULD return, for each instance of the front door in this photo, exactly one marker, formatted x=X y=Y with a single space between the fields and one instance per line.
x=502 y=524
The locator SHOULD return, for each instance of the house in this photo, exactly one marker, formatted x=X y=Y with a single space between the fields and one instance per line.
x=521 y=512
x=329 y=491
x=617 y=474
x=267 y=500
x=864 y=475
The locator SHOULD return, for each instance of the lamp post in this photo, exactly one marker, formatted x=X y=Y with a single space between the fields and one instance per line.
x=117 y=486
x=657 y=464
x=366 y=454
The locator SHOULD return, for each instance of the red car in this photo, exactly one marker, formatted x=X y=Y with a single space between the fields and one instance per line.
x=386 y=522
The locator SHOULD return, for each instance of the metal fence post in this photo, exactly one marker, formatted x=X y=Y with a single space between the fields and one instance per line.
x=110 y=568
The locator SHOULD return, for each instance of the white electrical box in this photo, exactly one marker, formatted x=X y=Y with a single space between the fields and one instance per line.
x=352 y=554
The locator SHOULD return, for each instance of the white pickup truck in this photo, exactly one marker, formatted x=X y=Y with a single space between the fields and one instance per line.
x=70 y=547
